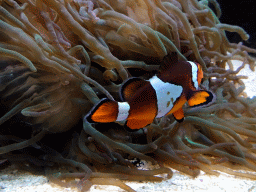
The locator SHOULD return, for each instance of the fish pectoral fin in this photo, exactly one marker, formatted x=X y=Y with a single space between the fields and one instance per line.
x=138 y=123
x=130 y=87
x=200 y=98
x=104 y=111
x=179 y=115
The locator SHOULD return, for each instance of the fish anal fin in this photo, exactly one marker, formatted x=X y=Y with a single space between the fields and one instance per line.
x=138 y=123
x=104 y=112
x=179 y=115
x=140 y=119
x=130 y=87
x=143 y=111
x=200 y=98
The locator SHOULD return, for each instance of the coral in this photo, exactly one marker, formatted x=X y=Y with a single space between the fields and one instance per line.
x=59 y=57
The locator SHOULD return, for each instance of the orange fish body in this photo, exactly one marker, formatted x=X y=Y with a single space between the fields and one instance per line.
x=176 y=83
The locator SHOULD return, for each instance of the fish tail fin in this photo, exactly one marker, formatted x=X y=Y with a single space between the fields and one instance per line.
x=105 y=111
x=200 y=98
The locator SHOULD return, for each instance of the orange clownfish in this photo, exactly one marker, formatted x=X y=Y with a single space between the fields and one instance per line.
x=176 y=83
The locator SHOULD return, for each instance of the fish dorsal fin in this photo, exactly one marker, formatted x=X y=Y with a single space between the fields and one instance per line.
x=168 y=60
x=130 y=87
x=200 y=98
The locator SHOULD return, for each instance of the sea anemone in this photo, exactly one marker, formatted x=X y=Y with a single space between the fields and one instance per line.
x=59 y=57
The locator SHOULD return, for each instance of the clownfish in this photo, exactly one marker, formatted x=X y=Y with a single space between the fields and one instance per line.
x=176 y=83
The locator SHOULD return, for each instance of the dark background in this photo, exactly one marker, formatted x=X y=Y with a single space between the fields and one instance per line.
x=243 y=14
